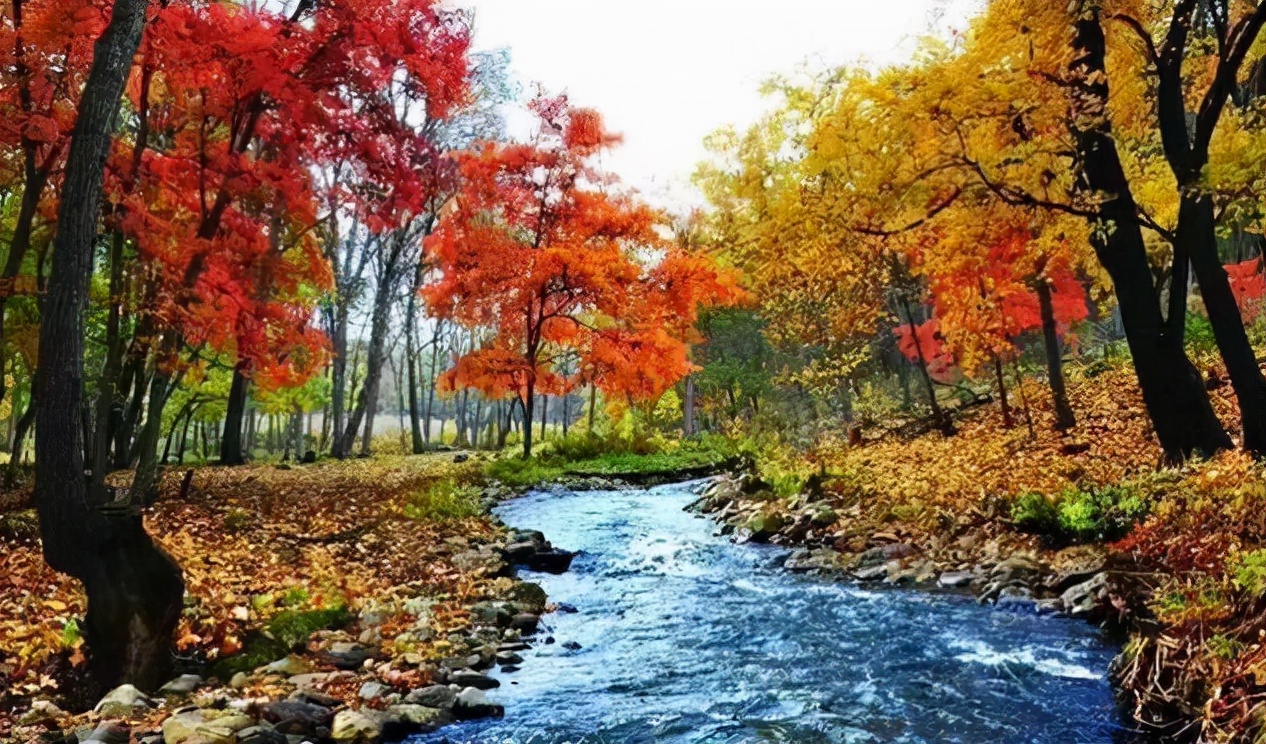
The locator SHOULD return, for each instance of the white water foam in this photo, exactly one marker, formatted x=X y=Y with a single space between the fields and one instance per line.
x=979 y=652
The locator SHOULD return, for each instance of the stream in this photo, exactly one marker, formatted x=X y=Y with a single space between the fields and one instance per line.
x=682 y=636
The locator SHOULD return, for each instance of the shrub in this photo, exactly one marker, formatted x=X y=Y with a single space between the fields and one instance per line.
x=1074 y=515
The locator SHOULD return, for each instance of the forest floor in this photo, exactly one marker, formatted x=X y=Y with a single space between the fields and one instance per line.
x=1085 y=523
x=370 y=566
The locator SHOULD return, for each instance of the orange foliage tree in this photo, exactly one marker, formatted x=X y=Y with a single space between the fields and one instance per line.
x=539 y=248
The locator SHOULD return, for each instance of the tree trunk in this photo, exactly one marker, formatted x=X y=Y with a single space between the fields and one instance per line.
x=544 y=415
x=529 y=402
x=338 y=374
x=938 y=416
x=1173 y=391
x=1064 y=418
x=373 y=373
x=134 y=588
x=231 y=450
x=688 y=408
x=19 y=442
x=1197 y=231
x=1007 y=421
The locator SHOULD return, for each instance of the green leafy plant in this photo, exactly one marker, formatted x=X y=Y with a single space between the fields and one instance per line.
x=1101 y=513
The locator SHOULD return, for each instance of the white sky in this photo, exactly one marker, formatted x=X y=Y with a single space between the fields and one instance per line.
x=665 y=73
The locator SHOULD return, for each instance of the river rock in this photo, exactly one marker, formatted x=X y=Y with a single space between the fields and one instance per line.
x=1088 y=598
x=528 y=597
x=491 y=613
x=519 y=552
x=1016 y=599
x=289 y=666
x=107 y=732
x=525 y=622
x=884 y=553
x=505 y=658
x=472 y=704
x=471 y=678
x=956 y=579
x=553 y=561
x=124 y=701
x=261 y=734
x=41 y=712
x=349 y=656
x=204 y=727
x=182 y=685
x=407 y=718
x=763 y=526
x=870 y=573
x=297 y=717
x=356 y=725
x=818 y=559
x=372 y=690
x=1017 y=568
x=434 y=696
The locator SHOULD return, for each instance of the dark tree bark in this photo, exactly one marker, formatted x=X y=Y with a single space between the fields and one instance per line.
x=1185 y=137
x=1064 y=418
x=1007 y=420
x=938 y=415
x=1173 y=390
x=134 y=588
x=19 y=443
x=231 y=449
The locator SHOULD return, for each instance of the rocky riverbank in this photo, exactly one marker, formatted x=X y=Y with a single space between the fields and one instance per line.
x=426 y=609
x=1009 y=570
x=338 y=687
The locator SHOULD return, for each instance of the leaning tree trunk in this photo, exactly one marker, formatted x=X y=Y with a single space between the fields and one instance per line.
x=1064 y=418
x=1197 y=231
x=134 y=588
x=1173 y=390
x=231 y=450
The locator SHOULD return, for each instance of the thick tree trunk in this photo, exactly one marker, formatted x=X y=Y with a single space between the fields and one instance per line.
x=1197 y=231
x=231 y=449
x=134 y=588
x=1173 y=390
x=1064 y=418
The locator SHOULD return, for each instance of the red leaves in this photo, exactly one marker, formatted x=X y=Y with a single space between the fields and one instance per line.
x=927 y=344
x=1248 y=284
x=572 y=281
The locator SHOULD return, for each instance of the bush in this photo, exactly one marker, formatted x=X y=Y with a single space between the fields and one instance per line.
x=1074 y=515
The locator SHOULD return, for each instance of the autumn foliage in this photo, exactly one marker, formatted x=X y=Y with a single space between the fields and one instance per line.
x=569 y=277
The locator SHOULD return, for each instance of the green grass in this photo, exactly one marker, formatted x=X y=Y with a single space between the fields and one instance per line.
x=445 y=500
x=518 y=473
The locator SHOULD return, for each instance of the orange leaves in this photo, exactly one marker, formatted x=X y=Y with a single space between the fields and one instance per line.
x=572 y=281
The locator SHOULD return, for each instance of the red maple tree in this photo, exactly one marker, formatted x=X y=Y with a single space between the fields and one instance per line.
x=545 y=253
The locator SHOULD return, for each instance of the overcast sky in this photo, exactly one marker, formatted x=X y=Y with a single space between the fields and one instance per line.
x=665 y=73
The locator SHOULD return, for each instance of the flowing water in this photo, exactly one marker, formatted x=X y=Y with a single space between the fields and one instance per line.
x=682 y=636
